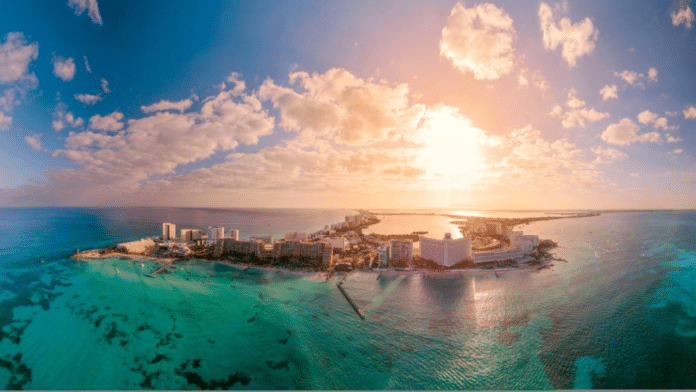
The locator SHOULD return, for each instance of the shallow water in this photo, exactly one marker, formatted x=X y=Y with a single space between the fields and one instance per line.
x=620 y=313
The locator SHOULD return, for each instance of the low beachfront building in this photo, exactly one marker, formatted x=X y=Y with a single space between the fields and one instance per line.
x=139 y=247
x=447 y=251
x=495 y=228
x=229 y=246
x=339 y=244
x=383 y=256
x=316 y=253
x=168 y=231
x=188 y=235
x=498 y=255
x=525 y=242
x=401 y=250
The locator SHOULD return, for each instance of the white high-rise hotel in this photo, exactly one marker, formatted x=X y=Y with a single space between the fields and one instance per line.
x=168 y=231
x=447 y=251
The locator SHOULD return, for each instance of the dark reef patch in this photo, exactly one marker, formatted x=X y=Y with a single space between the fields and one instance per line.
x=280 y=365
x=21 y=374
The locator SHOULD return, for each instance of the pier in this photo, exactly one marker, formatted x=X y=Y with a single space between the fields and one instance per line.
x=350 y=301
x=329 y=275
x=152 y=275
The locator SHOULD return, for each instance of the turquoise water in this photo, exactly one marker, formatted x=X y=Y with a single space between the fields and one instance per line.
x=620 y=313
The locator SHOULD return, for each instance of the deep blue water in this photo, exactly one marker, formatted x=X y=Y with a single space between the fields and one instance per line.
x=620 y=313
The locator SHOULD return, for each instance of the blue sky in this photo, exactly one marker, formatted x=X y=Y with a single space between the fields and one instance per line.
x=501 y=104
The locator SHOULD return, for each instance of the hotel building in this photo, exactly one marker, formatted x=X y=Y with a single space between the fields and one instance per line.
x=383 y=256
x=447 y=251
x=168 y=231
x=401 y=250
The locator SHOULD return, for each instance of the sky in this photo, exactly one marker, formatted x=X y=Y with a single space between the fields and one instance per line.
x=353 y=104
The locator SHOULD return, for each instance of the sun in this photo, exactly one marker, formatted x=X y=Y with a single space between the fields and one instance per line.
x=451 y=152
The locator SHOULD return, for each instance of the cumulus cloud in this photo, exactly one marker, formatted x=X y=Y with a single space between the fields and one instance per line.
x=608 y=155
x=63 y=118
x=636 y=79
x=15 y=56
x=624 y=133
x=577 y=39
x=163 y=105
x=90 y=5
x=88 y=99
x=647 y=117
x=341 y=107
x=479 y=40
x=576 y=115
x=536 y=78
x=690 y=113
x=684 y=16
x=34 y=141
x=673 y=139
x=531 y=159
x=158 y=143
x=112 y=122
x=64 y=68
x=105 y=86
x=609 y=92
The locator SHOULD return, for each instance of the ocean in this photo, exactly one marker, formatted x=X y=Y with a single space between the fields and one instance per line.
x=620 y=312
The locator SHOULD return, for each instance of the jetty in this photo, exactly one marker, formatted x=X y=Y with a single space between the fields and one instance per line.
x=350 y=301
x=152 y=275
x=329 y=275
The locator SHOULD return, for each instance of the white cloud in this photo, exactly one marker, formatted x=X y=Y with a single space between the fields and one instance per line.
x=62 y=118
x=536 y=78
x=676 y=152
x=673 y=139
x=609 y=92
x=34 y=141
x=647 y=117
x=685 y=15
x=5 y=121
x=88 y=99
x=112 y=122
x=690 y=113
x=624 y=133
x=577 y=39
x=637 y=79
x=531 y=159
x=158 y=143
x=15 y=57
x=64 y=68
x=608 y=155
x=339 y=106
x=577 y=115
x=90 y=5
x=634 y=175
x=87 y=67
x=105 y=86
x=479 y=40
x=522 y=79
x=162 y=105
